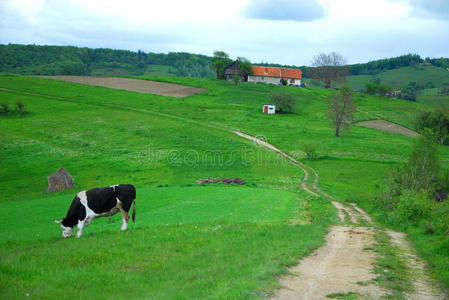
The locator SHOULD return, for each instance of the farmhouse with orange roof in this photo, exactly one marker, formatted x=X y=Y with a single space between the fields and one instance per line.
x=274 y=75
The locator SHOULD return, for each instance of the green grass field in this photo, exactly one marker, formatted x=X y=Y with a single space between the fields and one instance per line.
x=214 y=242
x=400 y=77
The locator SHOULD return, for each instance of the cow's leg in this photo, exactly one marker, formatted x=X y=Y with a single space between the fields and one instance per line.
x=81 y=225
x=125 y=218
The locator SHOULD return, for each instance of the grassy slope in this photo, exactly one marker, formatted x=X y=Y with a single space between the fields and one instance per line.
x=399 y=78
x=188 y=242
x=349 y=166
x=220 y=242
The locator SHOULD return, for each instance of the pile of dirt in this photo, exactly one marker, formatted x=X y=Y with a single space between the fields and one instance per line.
x=59 y=181
x=236 y=180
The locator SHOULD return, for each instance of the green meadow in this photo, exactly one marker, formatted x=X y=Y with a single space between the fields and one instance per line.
x=189 y=241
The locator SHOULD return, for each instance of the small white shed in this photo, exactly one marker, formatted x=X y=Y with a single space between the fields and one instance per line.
x=269 y=109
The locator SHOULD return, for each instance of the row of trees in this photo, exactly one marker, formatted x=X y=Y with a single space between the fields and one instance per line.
x=377 y=66
x=68 y=60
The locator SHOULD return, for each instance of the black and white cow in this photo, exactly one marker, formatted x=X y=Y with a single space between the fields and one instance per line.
x=99 y=202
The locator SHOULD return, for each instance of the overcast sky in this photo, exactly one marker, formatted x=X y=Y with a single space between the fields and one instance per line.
x=277 y=31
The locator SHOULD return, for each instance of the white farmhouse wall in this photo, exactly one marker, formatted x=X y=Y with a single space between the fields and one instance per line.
x=271 y=80
x=257 y=79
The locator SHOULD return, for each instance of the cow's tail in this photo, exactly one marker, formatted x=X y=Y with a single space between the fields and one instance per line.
x=134 y=211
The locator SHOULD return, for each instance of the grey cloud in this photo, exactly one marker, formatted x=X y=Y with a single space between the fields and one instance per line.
x=433 y=8
x=285 y=10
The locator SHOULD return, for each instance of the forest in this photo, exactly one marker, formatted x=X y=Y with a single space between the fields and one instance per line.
x=69 y=60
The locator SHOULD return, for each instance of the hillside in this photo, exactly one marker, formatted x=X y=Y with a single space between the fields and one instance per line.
x=400 y=77
x=189 y=241
x=69 y=60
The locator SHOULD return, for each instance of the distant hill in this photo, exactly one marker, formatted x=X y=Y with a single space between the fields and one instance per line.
x=434 y=77
x=68 y=60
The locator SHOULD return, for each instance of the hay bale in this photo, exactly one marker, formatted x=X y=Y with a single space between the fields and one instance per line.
x=59 y=181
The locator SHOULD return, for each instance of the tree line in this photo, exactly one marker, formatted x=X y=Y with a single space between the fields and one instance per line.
x=69 y=60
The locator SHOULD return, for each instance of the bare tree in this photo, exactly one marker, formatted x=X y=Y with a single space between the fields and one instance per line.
x=341 y=109
x=329 y=68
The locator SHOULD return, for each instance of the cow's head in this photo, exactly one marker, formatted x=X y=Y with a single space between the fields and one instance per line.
x=66 y=231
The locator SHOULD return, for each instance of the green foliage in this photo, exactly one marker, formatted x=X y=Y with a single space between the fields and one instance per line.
x=219 y=63
x=20 y=106
x=310 y=148
x=409 y=93
x=246 y=67
x=437 y=122
x=371 y=87
x=283 y=101
x=381 y=65
x=236 y=79
x=67 y=60
x=4 y=108
x=409 y=207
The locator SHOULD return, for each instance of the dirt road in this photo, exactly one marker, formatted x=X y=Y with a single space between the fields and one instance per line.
x=345 y=263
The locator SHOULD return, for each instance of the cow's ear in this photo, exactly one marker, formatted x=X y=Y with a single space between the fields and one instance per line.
x=58 y=222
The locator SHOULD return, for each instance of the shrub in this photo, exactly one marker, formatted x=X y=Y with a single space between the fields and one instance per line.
x=283 y=101
x=20 y=107
x=310 y=148
x=371 y=87
x=236 y=79
x=409 y=207
x=437 y=122
x=438 y=221
x=4 y=107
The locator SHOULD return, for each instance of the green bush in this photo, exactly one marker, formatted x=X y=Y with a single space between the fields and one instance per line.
x=409 y=207
x=438 y=220
x=310 y=148
x=283 y=101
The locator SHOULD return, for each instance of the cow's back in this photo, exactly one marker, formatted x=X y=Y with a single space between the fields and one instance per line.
x=101 y=200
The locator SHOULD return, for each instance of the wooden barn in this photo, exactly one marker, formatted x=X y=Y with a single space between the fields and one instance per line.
x=233 y=69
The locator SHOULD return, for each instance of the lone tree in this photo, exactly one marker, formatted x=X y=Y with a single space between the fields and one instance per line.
x=341 y=109
x=219 y=63
x=329 y=68
x=283 y=101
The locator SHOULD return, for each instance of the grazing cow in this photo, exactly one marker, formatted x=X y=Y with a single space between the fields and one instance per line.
x=99 y=202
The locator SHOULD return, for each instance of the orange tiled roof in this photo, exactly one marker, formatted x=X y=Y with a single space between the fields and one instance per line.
x=277 y=72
